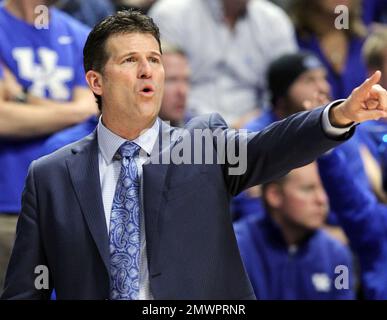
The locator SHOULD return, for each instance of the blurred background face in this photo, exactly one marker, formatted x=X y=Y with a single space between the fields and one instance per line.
x=177 y=73
x=302 y=199
x=306 y=87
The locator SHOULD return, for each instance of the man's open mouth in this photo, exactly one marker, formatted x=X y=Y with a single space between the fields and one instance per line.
x=147 y=90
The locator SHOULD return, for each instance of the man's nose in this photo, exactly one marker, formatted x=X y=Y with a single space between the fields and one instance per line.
x=145 y=70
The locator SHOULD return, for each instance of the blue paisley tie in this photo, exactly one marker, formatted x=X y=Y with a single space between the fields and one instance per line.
x=125 y=228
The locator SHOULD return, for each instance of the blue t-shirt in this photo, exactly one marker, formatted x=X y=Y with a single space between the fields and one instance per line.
x=47 y=63
x=374 y=11
x=374 y=135
x=278 y=273
x=354 y=71
x=363 y=218
x=70 y=135
x=266 y=118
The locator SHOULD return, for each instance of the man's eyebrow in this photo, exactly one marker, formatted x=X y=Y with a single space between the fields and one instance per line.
x=129 y=53
x=156 y=53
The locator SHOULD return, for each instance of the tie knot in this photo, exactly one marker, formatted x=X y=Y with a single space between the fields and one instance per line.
x=129 y=149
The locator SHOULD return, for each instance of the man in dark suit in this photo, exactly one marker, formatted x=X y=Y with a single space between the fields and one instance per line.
x=115 y=216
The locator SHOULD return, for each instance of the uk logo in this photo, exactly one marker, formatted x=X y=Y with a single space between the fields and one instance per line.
x=321 y=282
x=45 y=76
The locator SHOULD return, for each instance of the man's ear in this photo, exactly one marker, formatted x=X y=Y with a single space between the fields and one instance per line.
x=273 y=196
x=94 y=80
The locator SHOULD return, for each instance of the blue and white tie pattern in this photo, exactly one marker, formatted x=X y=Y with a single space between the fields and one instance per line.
x=125 y=228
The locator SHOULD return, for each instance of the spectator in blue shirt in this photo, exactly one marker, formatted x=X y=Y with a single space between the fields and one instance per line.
x=336 y=39
x=374 y=133
x=43 y=90
x=286 y=254
x=298 y=81
x=363 y=218
x=292 y=79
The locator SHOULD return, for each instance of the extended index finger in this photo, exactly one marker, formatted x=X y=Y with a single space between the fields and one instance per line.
x=366 y=86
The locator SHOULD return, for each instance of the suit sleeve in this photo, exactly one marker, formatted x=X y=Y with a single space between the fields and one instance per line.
x=274 y=151
x=28 y=252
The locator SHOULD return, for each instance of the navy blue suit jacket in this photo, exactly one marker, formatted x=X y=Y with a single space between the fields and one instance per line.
x=191 y=248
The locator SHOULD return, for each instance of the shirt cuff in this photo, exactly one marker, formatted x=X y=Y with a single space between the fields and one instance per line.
x=328 y=128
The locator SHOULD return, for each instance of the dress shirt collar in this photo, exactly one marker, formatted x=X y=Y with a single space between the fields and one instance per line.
x=109 y=142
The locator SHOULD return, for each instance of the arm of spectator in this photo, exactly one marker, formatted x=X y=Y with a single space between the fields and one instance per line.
x=43 y=116
x=362 y=217
x=11 y=88
x=374 y=173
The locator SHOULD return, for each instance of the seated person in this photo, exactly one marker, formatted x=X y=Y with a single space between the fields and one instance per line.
x=374 y=133
x=363 y=219
x=292 y=79
x=286 y=254
x=298 y=82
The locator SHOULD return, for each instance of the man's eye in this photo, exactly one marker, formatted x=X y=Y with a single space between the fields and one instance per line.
x=130 y=59
x=154 y=60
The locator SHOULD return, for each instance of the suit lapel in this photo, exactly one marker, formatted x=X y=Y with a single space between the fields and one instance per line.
x=154 y=176
x=84 y=173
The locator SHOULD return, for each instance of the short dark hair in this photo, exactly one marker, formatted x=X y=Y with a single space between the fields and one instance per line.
x=285 y=70
x=279 y=182
x=122 y=22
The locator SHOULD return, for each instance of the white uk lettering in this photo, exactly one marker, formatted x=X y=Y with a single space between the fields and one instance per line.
x=45 y=76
